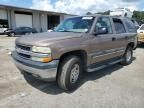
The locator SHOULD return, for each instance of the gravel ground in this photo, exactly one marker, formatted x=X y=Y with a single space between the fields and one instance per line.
x=113 y=87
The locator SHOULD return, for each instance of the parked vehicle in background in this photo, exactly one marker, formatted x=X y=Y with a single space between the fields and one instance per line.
x=140 y=32
x=79 y=44
x=3 y=25
x=20 y=31
x=124 y=12
x=2 y=30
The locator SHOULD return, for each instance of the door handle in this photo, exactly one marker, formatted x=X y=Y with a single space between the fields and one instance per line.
x=113 y=38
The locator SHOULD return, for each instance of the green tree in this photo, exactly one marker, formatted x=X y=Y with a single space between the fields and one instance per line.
x=139 y=16
x=88 y=13
x=104 y=13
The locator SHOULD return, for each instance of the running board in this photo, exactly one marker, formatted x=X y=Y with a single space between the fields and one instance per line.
x=103 y=65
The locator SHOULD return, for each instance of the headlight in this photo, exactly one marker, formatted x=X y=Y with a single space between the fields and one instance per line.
x=41 y=49
x=42 y=59
x=44 y=50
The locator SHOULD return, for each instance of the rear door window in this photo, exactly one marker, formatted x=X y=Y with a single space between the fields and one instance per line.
x=119 y=26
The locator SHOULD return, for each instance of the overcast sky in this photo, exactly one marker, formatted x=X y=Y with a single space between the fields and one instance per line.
x=76 y=6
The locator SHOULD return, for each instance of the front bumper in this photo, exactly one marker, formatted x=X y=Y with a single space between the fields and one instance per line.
x=44 y=71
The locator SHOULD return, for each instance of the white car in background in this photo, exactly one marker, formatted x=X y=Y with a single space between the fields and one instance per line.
x=124 y=12
x=141 y=29
x=2 y=30
x=140 y=32
x=3 y=26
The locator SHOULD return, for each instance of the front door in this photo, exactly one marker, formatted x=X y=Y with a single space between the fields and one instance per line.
x=103 y=45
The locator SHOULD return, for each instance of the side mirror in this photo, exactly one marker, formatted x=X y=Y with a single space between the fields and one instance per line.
x=101 y=30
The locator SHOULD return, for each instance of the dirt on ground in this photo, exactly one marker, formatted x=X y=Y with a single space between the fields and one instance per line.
x=113 y=87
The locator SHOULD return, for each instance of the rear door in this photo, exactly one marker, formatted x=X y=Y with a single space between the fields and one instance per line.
x=121 y=35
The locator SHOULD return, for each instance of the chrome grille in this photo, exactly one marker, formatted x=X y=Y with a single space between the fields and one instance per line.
x=26 y=52
x=27 y=48
x=23 y=51
x=24 y=55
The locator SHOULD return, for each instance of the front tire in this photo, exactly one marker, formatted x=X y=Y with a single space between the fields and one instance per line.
x=127 y=56
x=69 y=73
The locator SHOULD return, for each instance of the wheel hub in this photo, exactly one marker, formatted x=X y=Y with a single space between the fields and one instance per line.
x=12 y=34
x=128 y=56
x=74 y=73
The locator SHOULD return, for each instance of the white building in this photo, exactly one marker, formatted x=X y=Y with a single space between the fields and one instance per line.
x=11 y=17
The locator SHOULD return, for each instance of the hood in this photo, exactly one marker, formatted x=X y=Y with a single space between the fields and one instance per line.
x=44 y=39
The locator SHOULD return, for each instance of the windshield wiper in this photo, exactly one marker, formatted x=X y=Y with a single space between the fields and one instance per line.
x=64 y=31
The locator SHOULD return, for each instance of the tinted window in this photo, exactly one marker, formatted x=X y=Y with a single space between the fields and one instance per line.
x=119 y=26
x=130 y=25
x=104 y=22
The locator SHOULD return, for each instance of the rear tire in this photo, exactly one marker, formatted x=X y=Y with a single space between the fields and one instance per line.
x=127 y=56
x=69 y=73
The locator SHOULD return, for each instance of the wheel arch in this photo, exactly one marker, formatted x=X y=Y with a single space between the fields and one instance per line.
x=131 y=44
x=79 y=53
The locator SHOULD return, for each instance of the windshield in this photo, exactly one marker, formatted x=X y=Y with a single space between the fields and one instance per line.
x=77 y=24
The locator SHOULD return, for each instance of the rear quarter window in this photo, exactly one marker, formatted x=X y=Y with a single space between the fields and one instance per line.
x=130 y=25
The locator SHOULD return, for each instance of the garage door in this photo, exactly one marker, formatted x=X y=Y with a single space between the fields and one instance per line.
x=3 y=20
x=23 y=20
x=3 y=14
